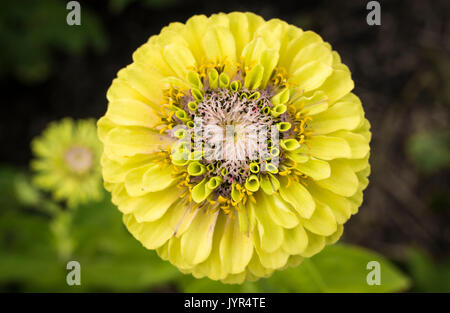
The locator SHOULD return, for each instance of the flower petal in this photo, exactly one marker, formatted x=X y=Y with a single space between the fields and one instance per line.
x=322 y=222
x=299 y=197
x=253 y=51
x=153 y=205
x=297 y=44
x=269 y=60
x=218 y=44
x=359 y=145
x=274 y=259
x=148 y=178
x=179 y=58
x=315 y=244
x=154 y=234
x=335 y=236
x=340 y=206
x=315 y=52
x=341 y=115
x=121 y=90
x=104 y=126
x=314 y=168
x=115 y=172
x=278 y=210
x=271 y=235
x=130 y=112
x=271 y=31
x=311 y=75
x=326 y=148
x=337 y=85
x=195 y=29
x=148 y=83
x=196 y=242
x=314 y=104
x=254 y=77
x=256 y=268
x=342 y=181
x=295 y=240
x=214 y=266
x=236 y=248
x=239 y=27
x=158 y=178
x=124 y=142
x=150 y=56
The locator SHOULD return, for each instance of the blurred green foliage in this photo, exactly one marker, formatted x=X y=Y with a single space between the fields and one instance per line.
x=430 y=151
x=8 y=199
x=427 y=274
x=31 y=32
x=31 y=35
x=37 y=240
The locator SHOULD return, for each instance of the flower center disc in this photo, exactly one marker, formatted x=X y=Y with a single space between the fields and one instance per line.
x=79 y=159
x=233 y=127
x=231 y=124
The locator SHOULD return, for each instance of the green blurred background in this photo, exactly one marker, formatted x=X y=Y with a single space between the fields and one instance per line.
x=49 y=70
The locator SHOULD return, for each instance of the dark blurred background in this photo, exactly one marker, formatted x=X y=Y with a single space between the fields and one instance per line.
x=401 y=69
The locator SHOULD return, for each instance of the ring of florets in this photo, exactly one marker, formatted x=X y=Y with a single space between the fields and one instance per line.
x=228 y=134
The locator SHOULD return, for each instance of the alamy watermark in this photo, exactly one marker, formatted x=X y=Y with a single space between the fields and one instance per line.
x=73 y=277
x=374 y=16
x=374 y=276
x=74 y=15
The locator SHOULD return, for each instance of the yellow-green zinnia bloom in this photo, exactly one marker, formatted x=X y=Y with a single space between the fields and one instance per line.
x=246 y=215
x=67 y=161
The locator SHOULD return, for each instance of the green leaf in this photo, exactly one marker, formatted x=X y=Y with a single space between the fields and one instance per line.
x=342 y=268
x=428 y=275
x=338 y=268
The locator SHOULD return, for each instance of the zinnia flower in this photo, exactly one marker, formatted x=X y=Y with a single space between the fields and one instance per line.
x=67 y=159
x=187 y=162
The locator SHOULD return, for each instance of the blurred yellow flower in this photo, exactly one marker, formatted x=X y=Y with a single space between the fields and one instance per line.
x=234 y=146
x=67 y=161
